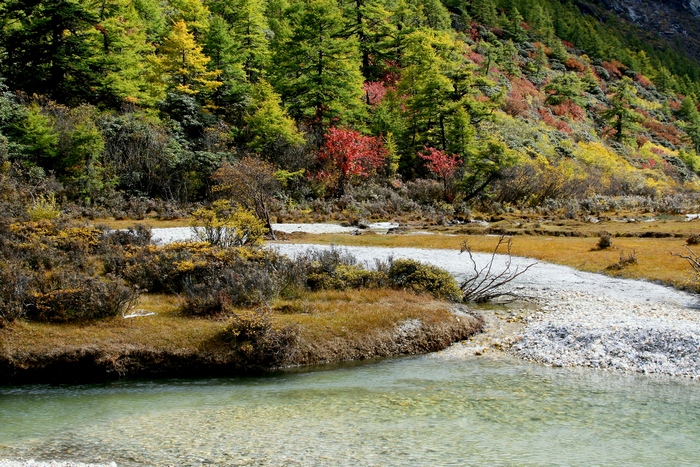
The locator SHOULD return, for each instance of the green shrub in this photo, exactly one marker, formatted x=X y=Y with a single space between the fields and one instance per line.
x=344 y=277
x=44 y=208
x=72 y=297
x=243 y=284
x=423 y=278
x=224 y=226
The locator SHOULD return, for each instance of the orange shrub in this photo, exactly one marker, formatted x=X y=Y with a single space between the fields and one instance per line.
x=643 y=80
x=665 y=131
x=572 y=64
x=553 y=122
x=614 y=68
x=570 y=109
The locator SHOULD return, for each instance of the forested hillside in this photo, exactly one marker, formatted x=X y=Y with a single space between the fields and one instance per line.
x=121 y=107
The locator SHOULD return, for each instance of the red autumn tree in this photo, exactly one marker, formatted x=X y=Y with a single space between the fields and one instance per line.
x=444 y=167
x=346 y=154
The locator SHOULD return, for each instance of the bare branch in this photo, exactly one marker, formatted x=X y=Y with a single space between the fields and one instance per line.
x=692 y=258
x=484 y=284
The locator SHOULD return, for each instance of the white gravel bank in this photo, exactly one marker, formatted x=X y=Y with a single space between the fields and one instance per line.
x=185 y=233
x=31 y=463
x=579 y=329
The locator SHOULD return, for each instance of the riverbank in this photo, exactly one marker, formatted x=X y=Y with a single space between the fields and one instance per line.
x=324 y=327
x=572 y=318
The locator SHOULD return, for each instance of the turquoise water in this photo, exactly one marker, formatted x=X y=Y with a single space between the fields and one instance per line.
x=416 y=411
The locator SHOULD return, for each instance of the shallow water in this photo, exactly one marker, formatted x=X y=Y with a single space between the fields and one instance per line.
x=415 y=411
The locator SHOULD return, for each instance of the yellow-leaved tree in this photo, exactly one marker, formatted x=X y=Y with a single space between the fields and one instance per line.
x=182 y=65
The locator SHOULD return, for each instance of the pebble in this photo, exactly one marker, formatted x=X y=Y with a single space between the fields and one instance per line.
x=32 y=463
x=580 y=329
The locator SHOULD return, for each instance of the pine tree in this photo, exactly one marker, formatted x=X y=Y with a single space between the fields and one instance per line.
x=268 y=123
x=439 y=85
x=49 y=49
x=250 y=33
x=318 y=69
x=484 y=11
x=620 y=113
x=126 y=52
x=220 y=46
x=563 y=87
x=368 y=21
x=194 y=13
x=153 y=17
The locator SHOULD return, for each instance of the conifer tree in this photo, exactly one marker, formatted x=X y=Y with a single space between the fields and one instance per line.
x=368 y=21
x=194 y=13
x=620 y=113
x=484 y=11
x=49 y=48
x=182 y=65
x=318 y=69
x=126 y=52
x=267 y=121
x=153 y=17
x=221 y=48
x=250 y=33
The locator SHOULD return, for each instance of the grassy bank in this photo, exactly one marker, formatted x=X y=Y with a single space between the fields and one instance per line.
x=327 y=326
x=654 y=261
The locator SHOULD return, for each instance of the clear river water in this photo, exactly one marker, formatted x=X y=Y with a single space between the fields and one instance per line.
x=432 y=410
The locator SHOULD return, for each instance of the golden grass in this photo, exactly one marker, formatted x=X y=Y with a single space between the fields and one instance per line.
x=318 y=316
x=654 y=259
x=165 y=330
x=150 y=221
x=324 y=315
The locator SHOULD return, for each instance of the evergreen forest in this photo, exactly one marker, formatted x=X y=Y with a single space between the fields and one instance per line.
x=361 y=108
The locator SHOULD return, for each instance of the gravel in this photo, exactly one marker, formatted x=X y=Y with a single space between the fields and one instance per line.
x=185 y=233
x=579 y=329
x=31 y=463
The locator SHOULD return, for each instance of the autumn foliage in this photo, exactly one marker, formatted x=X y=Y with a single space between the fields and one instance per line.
x=443 y=166
x=347 y=154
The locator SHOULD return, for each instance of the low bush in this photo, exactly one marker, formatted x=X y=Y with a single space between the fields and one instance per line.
x=79 y=297
x=225 y=226
x=245 y=283
x=626 y=260
x=604 y=241
x=254 y=336
x=53 y=271
x=13 y=286
x=423 y=278
x=344 y=277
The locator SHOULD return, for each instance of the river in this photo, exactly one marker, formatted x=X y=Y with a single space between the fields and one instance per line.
x=449 y=408
x=432 y=410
